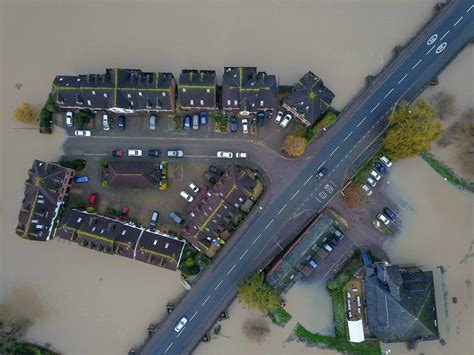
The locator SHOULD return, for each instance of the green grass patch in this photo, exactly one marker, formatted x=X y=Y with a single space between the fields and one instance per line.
x=279 y=316
x=363 y=173
x=447 y=173
x=327 y=121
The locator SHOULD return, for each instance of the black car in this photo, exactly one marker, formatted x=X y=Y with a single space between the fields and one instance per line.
x=333 y=242
x=209 y=177
x=234 y=124
x=154 y=153
x=176 y=217
x=321 y=173
x=389 y=213
x=154 y=219
x=261 y=118
x=121 y=123
x=216 y=170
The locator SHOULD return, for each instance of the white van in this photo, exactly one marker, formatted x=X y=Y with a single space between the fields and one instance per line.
x=135 y=152
x=241 y=155
x=105 y=122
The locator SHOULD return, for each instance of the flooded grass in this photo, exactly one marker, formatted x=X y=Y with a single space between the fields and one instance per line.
x=447 y=173
x=279 y=316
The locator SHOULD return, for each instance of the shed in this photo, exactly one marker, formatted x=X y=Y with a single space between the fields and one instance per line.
x=356 y=331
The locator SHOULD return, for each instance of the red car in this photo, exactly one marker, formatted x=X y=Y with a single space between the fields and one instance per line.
x=117 y=153
x=93 y=199
x=123 y=212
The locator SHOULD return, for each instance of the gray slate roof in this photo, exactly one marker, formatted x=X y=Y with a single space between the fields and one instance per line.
x=197 y=89
x=133 y=174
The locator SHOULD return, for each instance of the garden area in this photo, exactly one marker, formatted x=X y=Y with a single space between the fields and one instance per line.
x=192 y=262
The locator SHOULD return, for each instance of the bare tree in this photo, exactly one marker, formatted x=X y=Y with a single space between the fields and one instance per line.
x=444 y=104
x=256 y=329
x=461 y=132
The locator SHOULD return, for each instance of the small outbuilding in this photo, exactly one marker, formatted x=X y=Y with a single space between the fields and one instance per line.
x=356 y=331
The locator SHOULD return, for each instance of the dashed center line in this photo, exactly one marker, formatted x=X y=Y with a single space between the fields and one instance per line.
x=402 y=79
x=361 y=121
x=292 y=197
x=324 y=162
x=413 y=67
x=215 y=289
x=169 y=346
x=388 y=94
x=430 y=50
x=269 y=223
x=245 y=252
x=444 y=35
x=280 y=211
x=373 y=109
x=334 y=151
x=345 y=139
x=233 y=267
x=469 y=9
x=194 y=315
x=459 y=20
x=307 y=180
x=207 y=299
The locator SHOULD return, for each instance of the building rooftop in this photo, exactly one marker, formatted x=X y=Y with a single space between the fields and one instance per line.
x=197 y=89
x=133 y=174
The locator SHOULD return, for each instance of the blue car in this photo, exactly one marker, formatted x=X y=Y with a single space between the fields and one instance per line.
x=381 y=168
x=261 y=118
x=81 y=179
x=203 y=118
x=187 y=122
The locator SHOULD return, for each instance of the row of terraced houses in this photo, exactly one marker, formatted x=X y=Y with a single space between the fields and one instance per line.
x=244 y=90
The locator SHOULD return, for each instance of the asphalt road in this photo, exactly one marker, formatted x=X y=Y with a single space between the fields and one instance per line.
x=417 y=64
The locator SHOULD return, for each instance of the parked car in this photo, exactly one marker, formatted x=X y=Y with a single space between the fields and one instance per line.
x=321 y=173
x=105 y=122
x=154 y=152
x=193 y=187
x=154 y=219
x=69 y=119
x=117 y=153
x=187 y=122
x=245 y=126
x=93 y=199
x=284 y=122
x=82 y=133
x=222 y=154
x=279 y=116
x=385 y=161
x=153 y=120
x=195 y=121
x=234 y=124
x=134 y=152
x=241 y=155
x=327 y=247
x=367 y=190
x=81 y=179
x=176 y=217
x=389 y=213
x=209 y=177
x=333 y=242
x=186 y=196
x=175 y=153
x=121 y=123
x=123 y=212
x=383 y=219
x=261 y=118
x=164 y=167
x=180 y=324
x=371 y=181
x=216 y=170
x=313 y=263
x=339 y=235
x=380 y=168
x=203 y=118
x=375 y=175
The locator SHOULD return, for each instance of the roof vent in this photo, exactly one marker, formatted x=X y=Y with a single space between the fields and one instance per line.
x=167 y=245
x=155 y=242
x=208 y=90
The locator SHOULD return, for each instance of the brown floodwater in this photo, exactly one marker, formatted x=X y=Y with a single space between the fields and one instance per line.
x=84 y=302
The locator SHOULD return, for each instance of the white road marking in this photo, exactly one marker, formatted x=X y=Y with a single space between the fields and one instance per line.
x=283 y=207
x=430 y=50
x=233 y=267
x=373 y=109
x=207 y=299
x=388 y=94
x=245 y=252
x=345 y=139
x=95 y=154
x=169 y=346
x=305 y=183
x=179 y=334
x=402 y=79
x=318 y=199
x=459 y=20
x=334 y=151
x=332 y=183
x=215 y=289
x=361 y=121
x=269 y=223
x=337 y=166
x=292 y=197
x=444 y=35
x=469 y=9
x=324 y=162
x=194 y=315
x=413 y=67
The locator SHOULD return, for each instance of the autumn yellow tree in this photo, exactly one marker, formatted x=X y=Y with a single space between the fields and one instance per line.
x=295 y=145
x=25 y=113
x=256 y=293
x=411 y=130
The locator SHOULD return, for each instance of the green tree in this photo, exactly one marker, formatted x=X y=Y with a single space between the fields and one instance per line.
x=256 y=293
x=76 y=164
x=411 y=130
x=295 y=145
x=82 y=119
x=327 y=121
x=25 y=112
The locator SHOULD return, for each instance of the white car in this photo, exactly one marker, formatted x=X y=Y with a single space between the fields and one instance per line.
x=367 y=190
x=69 y=120
x=135 y=152
x=82 y=133
x=241 y=155
x=193 y=187
x=385 y=161
x=279 y=116
x=181 y=324
x=383 y=219
x=371 y=181
x=186 y=196
x=222 y=154
x=375 y=175
x=286 y=120
x=245 y=126
x=105 y=122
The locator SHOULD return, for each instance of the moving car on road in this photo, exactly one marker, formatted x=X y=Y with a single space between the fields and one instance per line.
x=279 y=116
x=186 y=196
x=69 y=119
x=245 y=126
x=135 y=153
x=180 y=324
x=82 y=133
x=176 y=217
x=286 y=120
x=121 y=123
x=321 y=173
x=175 y=153
x=241 y=155
x=383 y=219
x=117 y=153
x=385 y=161
x=81 y=179
x=234 y=124
x=193 y=187
x=105 y=122
x=222 y=154
x=153 y=120
x=154 y=152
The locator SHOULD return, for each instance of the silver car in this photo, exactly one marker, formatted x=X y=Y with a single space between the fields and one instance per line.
x=182 y=322
x=153 y=122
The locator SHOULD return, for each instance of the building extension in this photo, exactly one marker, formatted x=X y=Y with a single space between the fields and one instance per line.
x=247 y=91
x=309 y=99
x=46 y=190
x=110 y=236
x=197 y=90
x=117 y=90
